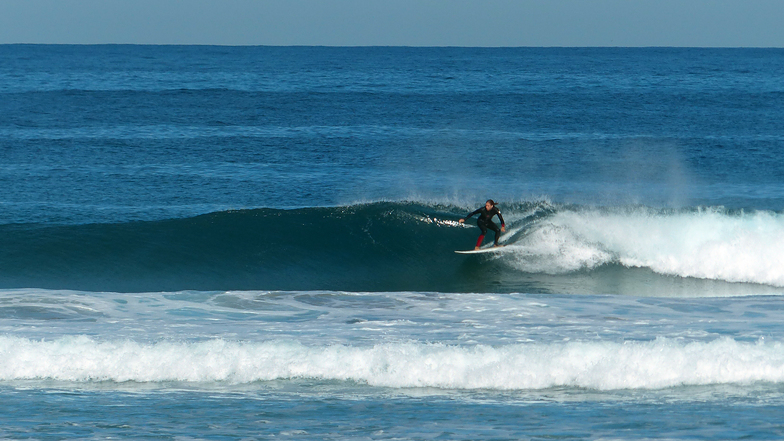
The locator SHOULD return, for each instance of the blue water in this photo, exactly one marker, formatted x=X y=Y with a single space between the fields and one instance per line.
x=257 y=242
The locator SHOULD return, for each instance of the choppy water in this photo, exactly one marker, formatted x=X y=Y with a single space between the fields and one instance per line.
x=203 y=242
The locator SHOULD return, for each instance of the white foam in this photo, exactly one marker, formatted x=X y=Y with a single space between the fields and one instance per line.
x=709 y=244
x=659 y=363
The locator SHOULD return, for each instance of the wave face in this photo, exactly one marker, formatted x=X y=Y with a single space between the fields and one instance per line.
x=595 y=365
x=405 y=246
x=379 y=246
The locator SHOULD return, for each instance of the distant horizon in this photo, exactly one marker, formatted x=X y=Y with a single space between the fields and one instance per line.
x=390 y=46
x=397 y=23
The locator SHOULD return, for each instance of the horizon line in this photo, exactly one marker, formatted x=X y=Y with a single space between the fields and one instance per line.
x=386 y=46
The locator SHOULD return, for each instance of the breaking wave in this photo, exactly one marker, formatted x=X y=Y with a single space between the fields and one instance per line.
x=395 y=247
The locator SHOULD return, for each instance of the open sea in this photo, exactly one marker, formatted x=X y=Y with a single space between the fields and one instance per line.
x=258 y=243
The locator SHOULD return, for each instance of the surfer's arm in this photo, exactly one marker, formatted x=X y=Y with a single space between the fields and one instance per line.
x=471 y=214
x=464 y=219
x=501 y=218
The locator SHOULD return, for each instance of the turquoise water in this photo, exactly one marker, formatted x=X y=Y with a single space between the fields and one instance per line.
x=234 y=243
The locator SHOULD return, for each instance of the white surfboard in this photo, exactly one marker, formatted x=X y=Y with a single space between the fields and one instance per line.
x=481 y=250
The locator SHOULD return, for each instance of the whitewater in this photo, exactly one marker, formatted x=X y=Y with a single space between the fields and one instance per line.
x=388 y=353
x=599 y=366
x=393 y=340
x=704 y=242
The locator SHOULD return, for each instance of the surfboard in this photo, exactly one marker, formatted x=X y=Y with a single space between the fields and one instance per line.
x=481 y=250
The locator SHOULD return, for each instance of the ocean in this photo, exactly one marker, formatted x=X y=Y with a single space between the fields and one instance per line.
x=258 y=242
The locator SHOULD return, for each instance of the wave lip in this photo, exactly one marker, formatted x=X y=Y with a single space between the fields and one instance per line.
x=656 y=364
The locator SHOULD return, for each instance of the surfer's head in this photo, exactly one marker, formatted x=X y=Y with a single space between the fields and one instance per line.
x=489 y=204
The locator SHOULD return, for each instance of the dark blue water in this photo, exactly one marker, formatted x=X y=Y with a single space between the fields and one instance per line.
x=112 y=133
x=270 y=232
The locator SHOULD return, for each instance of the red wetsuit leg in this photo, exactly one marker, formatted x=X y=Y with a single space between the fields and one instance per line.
x=479 y=241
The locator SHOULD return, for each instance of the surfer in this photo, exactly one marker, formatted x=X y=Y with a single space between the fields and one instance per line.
x=485 y=221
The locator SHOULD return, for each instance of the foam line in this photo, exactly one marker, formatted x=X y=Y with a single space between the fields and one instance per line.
x=653 y=364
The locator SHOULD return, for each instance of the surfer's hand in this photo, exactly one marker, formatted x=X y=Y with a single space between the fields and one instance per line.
x=503 y=229
x=461 y=221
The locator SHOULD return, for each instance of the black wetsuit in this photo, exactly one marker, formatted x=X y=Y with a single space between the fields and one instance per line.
x=485 y=221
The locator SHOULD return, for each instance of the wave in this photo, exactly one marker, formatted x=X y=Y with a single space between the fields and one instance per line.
x=392 y=246
x=661 y=363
